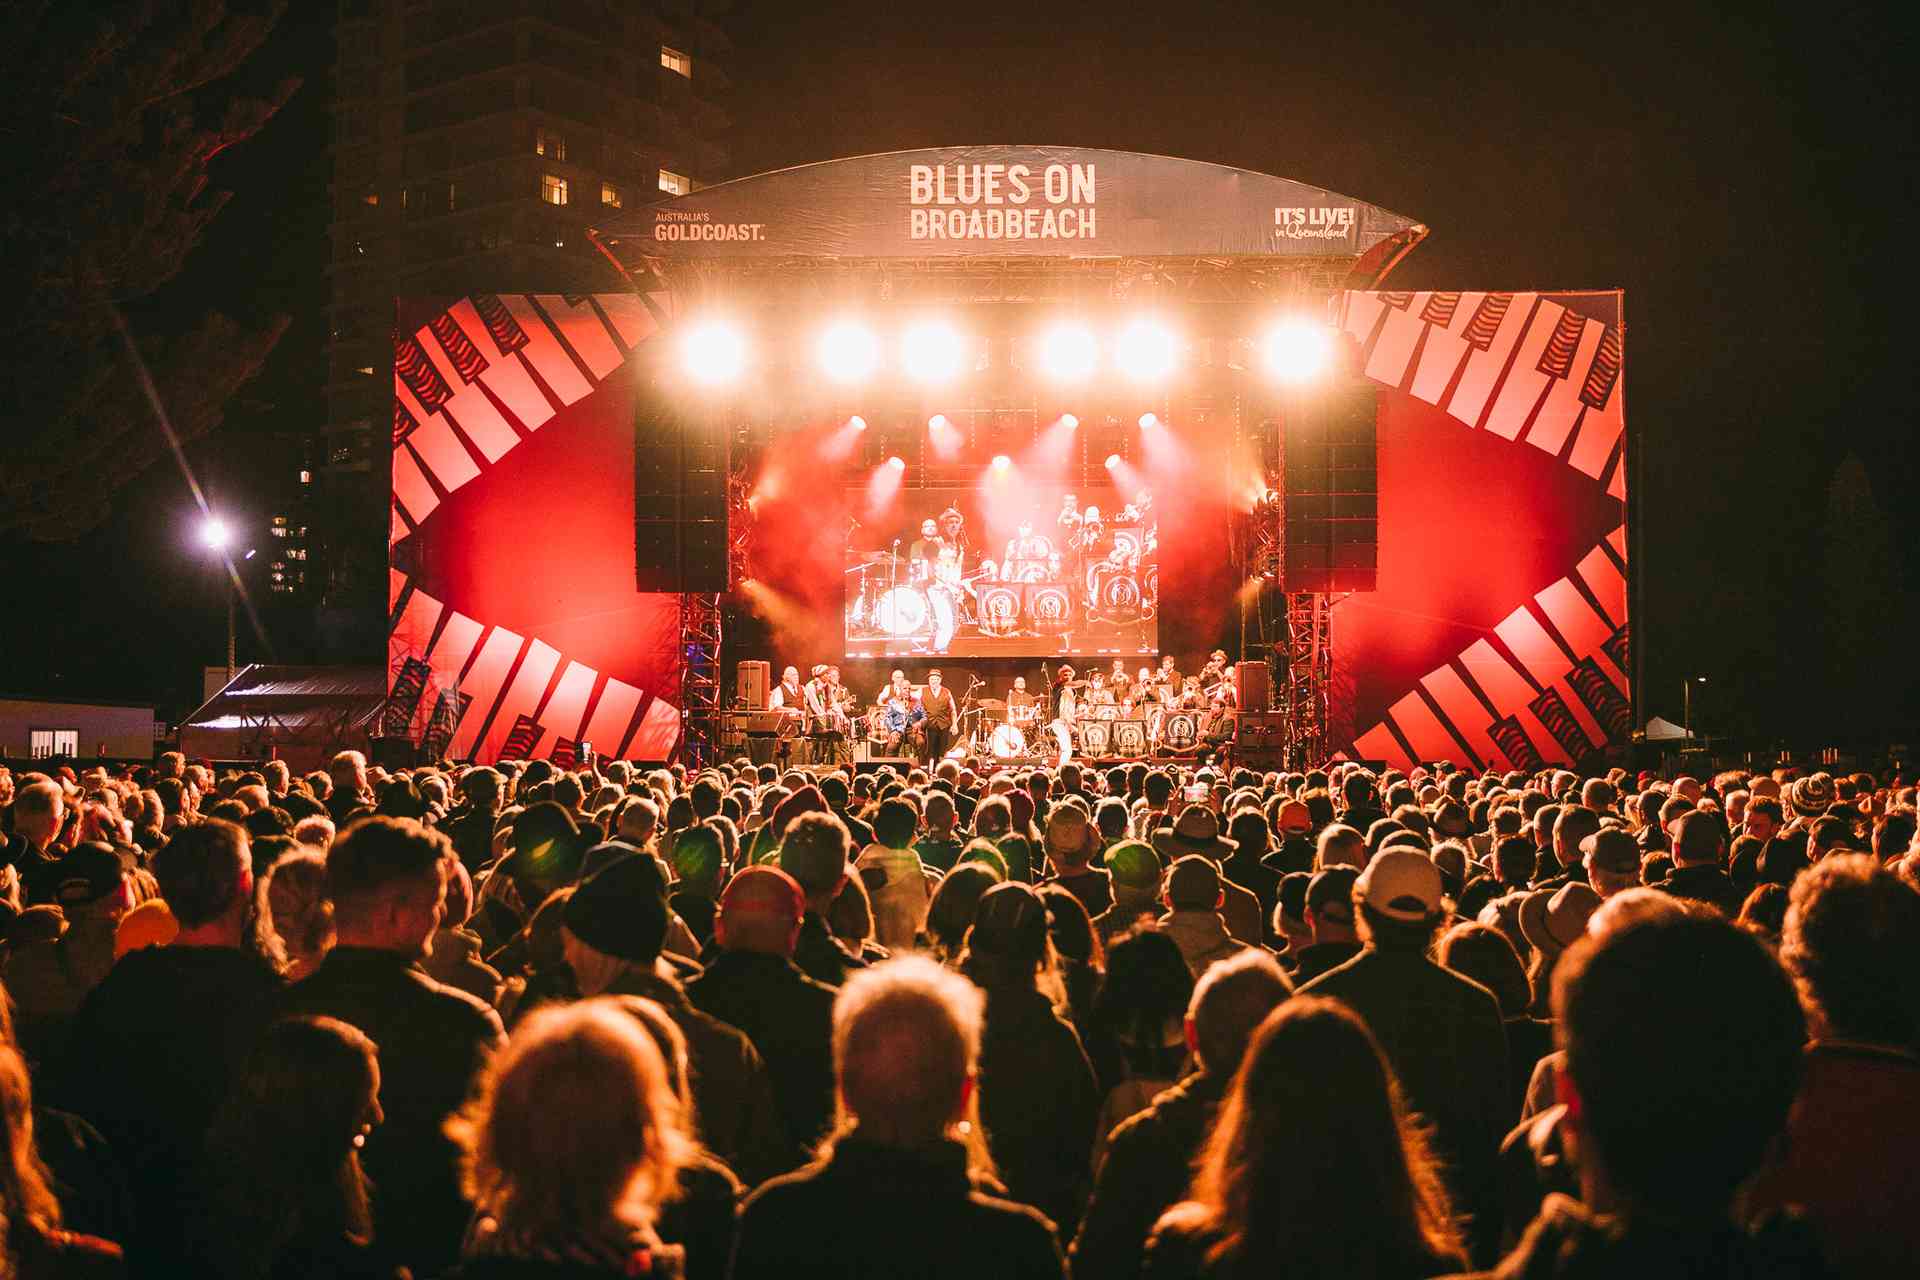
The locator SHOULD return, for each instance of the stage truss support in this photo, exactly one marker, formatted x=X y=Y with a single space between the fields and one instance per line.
x=1304 y=655
x=700 y=633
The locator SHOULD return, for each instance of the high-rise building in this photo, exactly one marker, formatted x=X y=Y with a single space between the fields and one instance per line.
x=474 y=142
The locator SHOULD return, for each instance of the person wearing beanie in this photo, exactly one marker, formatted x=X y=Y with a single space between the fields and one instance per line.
x=1134 y=870
x=1457 y=1081
x=612 y=929
x=1194 y=898
x=753 y=984
x=1071 y=844
x=815 y=853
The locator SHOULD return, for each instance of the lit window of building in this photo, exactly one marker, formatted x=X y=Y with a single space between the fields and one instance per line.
x=453 y=196
x=674 y=184
x=553 y=188
x=676 y=61
x=548 y=143
x=306 y=477
x=609 y=195
x=370 y=198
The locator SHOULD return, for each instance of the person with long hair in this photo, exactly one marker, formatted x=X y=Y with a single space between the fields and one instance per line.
x=32 y=1242
x=571 y=1143
x=283 y=1191
x=905 y=1185
x=1313 y=1166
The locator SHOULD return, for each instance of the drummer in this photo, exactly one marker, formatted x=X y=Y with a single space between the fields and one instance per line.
x=1022 y=707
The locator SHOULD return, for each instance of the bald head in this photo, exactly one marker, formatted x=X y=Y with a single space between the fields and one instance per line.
x=761 y=912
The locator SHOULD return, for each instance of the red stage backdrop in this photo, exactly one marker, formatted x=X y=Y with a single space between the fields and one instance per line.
x=515 y=626
x=1498 y=635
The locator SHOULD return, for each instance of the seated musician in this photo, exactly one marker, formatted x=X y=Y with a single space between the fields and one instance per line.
x=1022 y=707
x=900 y=715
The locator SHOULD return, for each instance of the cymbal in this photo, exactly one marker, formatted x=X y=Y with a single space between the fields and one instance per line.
x=874 y=557
x=991 y=704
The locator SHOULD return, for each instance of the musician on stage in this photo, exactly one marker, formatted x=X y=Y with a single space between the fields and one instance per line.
x=1192 y=697
x=1022 y=707
x=1063 y=709
x=1026 y=553
x=942 y=713
x=1216 y=665
x=1098 y=695
x=900 y=714
x=1167 y=678
x=790 y=700
x=1120 y=682
x=924 y=551
x=1225 y=694
x=826 y=733
x=953 y=531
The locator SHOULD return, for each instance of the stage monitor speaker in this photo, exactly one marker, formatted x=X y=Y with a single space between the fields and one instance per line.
x=1330 y=465
x=752 y=682
x=873 y=764
x=679 y=499
x=1253 y=686
x=1260 y=730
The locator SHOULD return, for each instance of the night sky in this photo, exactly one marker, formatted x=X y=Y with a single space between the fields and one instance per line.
x=1745 y=181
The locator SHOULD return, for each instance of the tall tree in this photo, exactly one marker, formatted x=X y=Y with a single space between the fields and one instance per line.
x=1865 y=605
x=114 y=110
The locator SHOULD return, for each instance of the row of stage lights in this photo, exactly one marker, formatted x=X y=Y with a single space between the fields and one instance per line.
x=715 y=353
x=939 y=422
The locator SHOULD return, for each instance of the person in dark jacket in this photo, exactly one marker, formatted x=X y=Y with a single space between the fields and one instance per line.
x=1329 y=916
x=387 y=879
x=815 y=852
x=1313 y=1167
x=1038 y=1095
x=1699 y=852
x=906 y=1186
x=472 y=830
x=1150 y=1156
x=1441 y=1032
x=1483 y=953
x=1710 y=1006
x=613 y=928
x=753 y=984
x=1296 y=848
x=152 y=1050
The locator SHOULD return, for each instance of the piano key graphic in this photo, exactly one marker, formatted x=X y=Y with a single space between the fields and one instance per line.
x=612 y=717
x=523 y=697
x=505 y=375
x=659 y=732
x=1464 y=711
x=483 y=682
x=568 y=705
x=441 y=454
x=403 y=699
x=1379 y=743
x=521 y=740
x=1362 y=313
x=1554 y=423
x=1445 y=348
x=1603 y=699
x=452 y=650
x=1602 y=423
x=1544 y=660
x=413 y=631
x=1585 y=631
x=1521 y=389
x=1562 y=721
x=1422 y=730
x=1509 y=692
x=635 y=319
x=448 y=708
x=1394 y=347
x=1485 y=366
x=411 y=492
x=1516 y=745
x=544 y=352
x=580 y=327
x=1605 y=581
x=469 y=408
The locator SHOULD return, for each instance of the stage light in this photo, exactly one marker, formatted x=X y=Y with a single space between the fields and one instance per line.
x=1296 y=351
x=937 y=422
x=1113 y=460
x=1068 y=421
x=1068 y=353
x=713 y=353
x=1149 y=421
x=931 y=352
x=897 y=463
x=1145 y=351
x=849 y=352
x=1001 y=462
x=214 y=534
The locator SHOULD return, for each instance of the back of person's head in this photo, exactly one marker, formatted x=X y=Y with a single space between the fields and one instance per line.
x=1485 y=954
x=895 y=822
x=1575 y=823
x=205 y=871
x=1514 y=859
x=1313 y=1157
x=26 y=1192
x=1358 y=790
x=1340 y=845
x=1008 y=944
x=1229 y=1003
x=1069 y=925
x=705 y=795
x=814 y=852
x=1148 y=987
x=906 y=1037
x=699 y=858
x=955 y=901
x=1193 y=884
x=761 y=912
x=1701 y=838
x=378 y=863
x=298 y=910
x=1706 y=1008
x=284 y=1145
x=1850 y=940
x=574 y=1125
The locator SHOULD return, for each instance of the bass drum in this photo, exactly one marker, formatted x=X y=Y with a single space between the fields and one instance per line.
x=902 y=612
x=1007 y=742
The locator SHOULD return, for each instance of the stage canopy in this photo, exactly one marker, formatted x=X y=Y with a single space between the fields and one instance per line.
x=302 y=715
x=986 y=202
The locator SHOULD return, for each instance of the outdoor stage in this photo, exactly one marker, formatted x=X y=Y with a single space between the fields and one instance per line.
x=887 y=412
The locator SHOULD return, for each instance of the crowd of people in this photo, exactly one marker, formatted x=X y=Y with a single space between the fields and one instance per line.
x=1169 y=1021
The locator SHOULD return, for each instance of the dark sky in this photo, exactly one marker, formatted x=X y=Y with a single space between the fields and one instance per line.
x=1745 y=180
